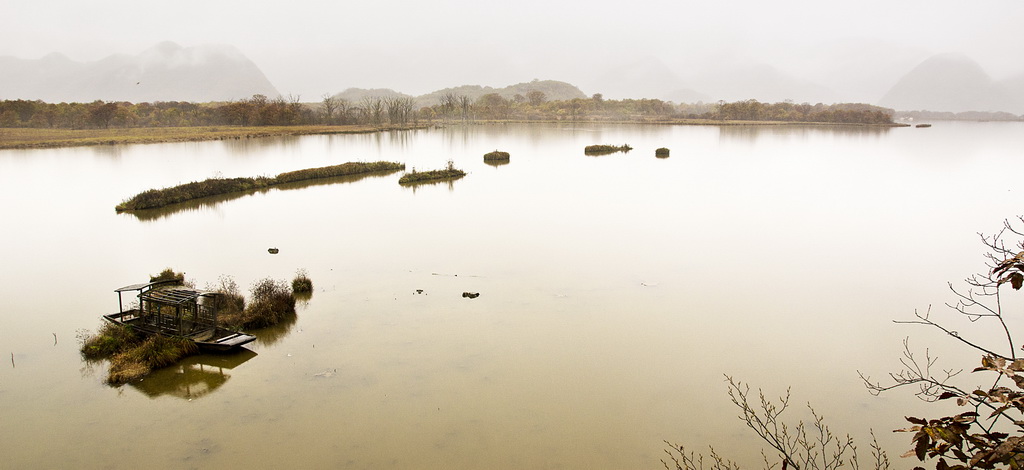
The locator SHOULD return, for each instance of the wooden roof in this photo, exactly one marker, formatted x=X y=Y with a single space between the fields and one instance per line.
x=173 y=295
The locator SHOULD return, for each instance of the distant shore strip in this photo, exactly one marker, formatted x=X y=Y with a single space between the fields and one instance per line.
x=155 y=198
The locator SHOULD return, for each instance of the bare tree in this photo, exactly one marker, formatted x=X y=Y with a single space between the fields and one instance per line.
x=979 y=437
x=329 y=107
x=373 y=107
x=399 y=109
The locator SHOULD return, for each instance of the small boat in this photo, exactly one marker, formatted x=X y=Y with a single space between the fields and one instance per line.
x=171 y=309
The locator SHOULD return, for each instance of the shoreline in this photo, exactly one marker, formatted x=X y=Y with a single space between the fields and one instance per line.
x=32 y=138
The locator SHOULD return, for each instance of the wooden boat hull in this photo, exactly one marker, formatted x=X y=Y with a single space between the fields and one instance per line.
x=208 y=339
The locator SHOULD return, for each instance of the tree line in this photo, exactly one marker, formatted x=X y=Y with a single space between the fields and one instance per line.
x=260 y=110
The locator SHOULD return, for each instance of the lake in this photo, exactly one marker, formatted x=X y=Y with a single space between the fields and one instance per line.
x=616 y=292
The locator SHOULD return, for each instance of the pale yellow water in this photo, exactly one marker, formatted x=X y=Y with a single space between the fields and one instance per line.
x=615 y=292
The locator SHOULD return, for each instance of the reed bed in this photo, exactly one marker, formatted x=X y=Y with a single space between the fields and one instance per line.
x=156 y=198
x=606 y=149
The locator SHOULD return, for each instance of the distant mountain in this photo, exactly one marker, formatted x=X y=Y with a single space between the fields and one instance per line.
x=645 y=78
x=552 y=89
x=651 y=78
x=166 y=72
x=953 y=83
x=1015 y=87
x=355 y=95
x=760 y=82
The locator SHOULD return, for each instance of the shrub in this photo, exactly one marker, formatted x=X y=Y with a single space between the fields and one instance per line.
x=661 y=152
x=108 y=340
x=271 y=301
x=302 y=284
x=168 y=274
x=155 y=352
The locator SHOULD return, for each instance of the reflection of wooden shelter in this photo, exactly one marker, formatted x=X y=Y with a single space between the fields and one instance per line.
x=192 y=377
x=170 y=309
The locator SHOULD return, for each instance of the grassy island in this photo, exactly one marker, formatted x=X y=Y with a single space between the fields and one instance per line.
x=661 y=153
x=496 y=156
x=133 y=355
x=155 y=198
x=606 y=149
x=448 y=173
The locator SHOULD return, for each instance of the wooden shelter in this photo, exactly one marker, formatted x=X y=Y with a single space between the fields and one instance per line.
x=171 y=309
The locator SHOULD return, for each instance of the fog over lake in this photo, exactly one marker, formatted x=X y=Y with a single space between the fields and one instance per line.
x=616 y=292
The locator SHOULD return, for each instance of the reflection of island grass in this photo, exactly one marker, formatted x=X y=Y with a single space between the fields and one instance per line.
x=448 y=173
x=155 y=198
x=606 y=149
x=24 y=138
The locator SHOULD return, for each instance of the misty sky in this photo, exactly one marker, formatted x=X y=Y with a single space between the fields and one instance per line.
x=312 y=47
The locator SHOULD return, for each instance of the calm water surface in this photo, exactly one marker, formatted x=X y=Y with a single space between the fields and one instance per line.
x=615 y=292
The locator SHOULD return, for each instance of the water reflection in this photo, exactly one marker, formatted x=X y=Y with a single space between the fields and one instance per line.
x=450 y=182
x=112 y=152
x=272 y=334
x=192 y=377
x=497 y=163
x=754 y=132
x=245 y=146
x=150 y=215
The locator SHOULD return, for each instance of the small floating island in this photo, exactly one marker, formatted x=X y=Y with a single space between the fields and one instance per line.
x=448 y=173
x=606 y=149
x=496 y=155
x=156 y=198
x=661 y=152
x=170 y=320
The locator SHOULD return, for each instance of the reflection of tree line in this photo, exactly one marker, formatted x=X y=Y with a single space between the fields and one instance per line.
x=751 y=133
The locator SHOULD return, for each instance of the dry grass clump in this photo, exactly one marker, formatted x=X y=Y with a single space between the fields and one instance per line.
x=302 y=284
x=605 y=149
x=449 y=172
x=132 y=355
x=168 y=274
x=496 y=155
x=271 y=302
x=153 y=353
x=108 y=340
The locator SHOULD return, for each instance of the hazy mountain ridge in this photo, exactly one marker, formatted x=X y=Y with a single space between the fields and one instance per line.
x=552 y=89
x=165 y=72
x=954 y=83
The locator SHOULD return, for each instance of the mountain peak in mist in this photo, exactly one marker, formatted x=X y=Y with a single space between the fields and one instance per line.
x=165 y=72
x=949 y=82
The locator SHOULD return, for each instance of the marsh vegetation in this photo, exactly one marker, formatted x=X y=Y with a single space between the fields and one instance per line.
x=132 y=354
x=606 y=149
x=447 y=173
x=496 y=155
x=156 y=198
